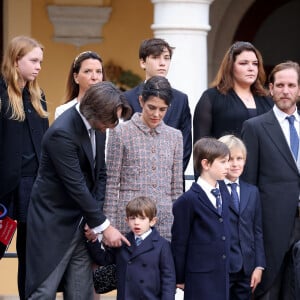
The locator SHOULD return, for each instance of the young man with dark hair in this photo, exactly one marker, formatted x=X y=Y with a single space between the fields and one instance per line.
x=155 y=58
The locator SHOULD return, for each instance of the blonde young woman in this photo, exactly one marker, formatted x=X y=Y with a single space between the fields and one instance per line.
x=23 y=121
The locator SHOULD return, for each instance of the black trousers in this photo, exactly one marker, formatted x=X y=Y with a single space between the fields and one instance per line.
x=286 y=284
x=239 y=288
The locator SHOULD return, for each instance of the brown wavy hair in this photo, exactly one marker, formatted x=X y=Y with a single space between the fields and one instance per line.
x=224 y=78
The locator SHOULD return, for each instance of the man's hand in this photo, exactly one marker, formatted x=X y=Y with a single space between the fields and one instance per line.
x=113 y=238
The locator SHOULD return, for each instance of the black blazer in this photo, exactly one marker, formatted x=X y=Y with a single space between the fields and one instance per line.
x=68 y=187
x=11 y=138
x=271 y=167
x=178 y=116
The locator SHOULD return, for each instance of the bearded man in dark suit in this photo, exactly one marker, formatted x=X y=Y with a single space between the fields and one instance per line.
x=273 y=165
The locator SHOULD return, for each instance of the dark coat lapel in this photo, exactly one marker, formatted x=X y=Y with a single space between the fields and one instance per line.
x=203 y=197
x=274 y=131
x=83 y=136
x=146 y=245
x=244 y=196
x=226 y=193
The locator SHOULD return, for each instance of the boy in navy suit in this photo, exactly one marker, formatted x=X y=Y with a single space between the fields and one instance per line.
x=247 y=255
x=200 y=231
x=145 y=270
x=155 y=56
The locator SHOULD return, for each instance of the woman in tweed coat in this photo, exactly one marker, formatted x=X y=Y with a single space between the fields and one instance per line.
x=144 y=158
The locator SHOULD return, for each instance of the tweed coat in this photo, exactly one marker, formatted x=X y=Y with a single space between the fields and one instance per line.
x=143 y=162
x=178 y=116
x=143 y=272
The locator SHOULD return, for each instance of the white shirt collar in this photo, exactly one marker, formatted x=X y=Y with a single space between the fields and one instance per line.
x=281 y=116
x=227 y=181
x=144 y=235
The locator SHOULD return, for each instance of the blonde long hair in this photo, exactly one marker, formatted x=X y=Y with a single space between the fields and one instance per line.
x=17 y=48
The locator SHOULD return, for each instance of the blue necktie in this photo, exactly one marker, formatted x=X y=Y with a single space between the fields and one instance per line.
x=216 y=193
x=294 y=139
x=235 y=196
x=138 y=240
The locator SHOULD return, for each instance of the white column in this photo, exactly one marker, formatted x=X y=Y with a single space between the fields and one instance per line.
x=184 y=25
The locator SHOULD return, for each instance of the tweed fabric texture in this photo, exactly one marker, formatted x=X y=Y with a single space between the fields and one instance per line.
x=143 y=162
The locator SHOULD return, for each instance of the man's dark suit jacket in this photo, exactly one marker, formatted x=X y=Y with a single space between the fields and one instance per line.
x=246 y=237
x=178 y=116
x=67 y=188
x=200 y=245
x=271 y=167
x=143 y=272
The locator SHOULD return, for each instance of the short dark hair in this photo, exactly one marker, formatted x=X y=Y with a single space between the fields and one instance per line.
x=153 y=46
x=210 y=149
x=283 y=66
x=141 y=206
x=102 y=101
x=157 y=86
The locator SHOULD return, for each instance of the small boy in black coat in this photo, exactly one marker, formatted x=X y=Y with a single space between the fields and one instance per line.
x=145 y=270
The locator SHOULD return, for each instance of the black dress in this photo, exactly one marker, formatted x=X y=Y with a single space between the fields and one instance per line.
x=217 y=114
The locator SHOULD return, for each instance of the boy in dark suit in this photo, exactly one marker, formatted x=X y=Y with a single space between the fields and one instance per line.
x=247 y=255
x=145 y=270
x=200 y=231
x=155 y=58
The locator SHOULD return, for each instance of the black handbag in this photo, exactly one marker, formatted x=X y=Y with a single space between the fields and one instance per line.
x=105 y=279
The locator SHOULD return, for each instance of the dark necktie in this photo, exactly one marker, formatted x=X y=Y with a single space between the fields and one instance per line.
x=216 y=193
x=235 y=196
x=93 y=141
x=138 y=240
x=294 y=139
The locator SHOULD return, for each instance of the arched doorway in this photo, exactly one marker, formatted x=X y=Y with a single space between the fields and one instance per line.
x=273 y=30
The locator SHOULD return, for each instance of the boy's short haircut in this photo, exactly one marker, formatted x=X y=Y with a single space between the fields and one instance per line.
x=141 y=206
x=210 y=149
x=155 y=47
x=231 y=141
